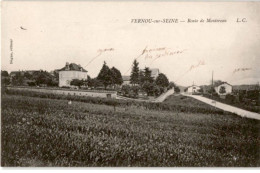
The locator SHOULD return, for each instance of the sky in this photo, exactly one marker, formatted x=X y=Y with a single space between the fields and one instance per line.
x=46 y=35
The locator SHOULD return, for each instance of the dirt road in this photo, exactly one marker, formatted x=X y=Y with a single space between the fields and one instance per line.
x=161 y=98
x=225 y=107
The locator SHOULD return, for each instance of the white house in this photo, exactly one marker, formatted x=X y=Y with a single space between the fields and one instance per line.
x=70 y=72
x=155 y=72
x=223 y=88
x=194 y=89
x=126 y=80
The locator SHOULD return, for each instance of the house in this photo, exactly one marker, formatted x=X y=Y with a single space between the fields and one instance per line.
x=194 y=89
x=206 y=88
x=155 y=72
x=126 y=80
x=223 y=89
x=70 y=72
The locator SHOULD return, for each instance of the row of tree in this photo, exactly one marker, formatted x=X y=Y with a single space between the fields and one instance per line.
x=141 y=80
x=109 y=76
x=26 y=78
x=145 y=82
x=106 y=77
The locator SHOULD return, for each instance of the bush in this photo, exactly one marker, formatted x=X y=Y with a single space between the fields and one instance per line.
x=230 y=98
x=31 y=83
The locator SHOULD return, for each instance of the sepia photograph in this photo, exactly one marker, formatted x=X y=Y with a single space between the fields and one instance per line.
x=130 y=84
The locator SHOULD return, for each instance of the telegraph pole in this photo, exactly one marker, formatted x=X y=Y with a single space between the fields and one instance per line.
x=212 y=88
x=212 y=79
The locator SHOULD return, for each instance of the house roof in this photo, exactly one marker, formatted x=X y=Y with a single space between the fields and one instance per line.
x=222 y=84
x=154 y=71
x=126 y=78
x=73 y=67
x=193 y=86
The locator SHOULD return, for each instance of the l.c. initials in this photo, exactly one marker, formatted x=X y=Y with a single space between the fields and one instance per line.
x=241 y=20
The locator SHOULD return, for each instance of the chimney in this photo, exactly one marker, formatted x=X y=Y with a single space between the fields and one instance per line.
x=80 y=68
x=67 y=66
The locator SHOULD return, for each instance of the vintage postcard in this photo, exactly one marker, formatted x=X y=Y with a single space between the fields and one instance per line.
x=130 y=84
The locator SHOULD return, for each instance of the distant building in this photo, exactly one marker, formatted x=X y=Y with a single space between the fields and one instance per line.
x=70 y=72
x=194 y=89
x=155 y=72
x=126 y=80
x=223 y=88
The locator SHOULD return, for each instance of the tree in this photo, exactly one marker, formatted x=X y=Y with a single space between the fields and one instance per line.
x=116 y=76
x=28 y=75
x=42 y=77
x=126 y=90
x=4 y=73
x=158 y=90
x=18 y=79
x=177 y=89
x=96 y=83
x=5 y=78
x=148 y=75
x=211 y=90
x=31 y=83
x=56 y=74
x=200 y=90
x=171 y=85
x=217 y=82
x=162 y=80
x=105 y=75
x=89 y=81
x=135 y=90
x=134 y=77
x=77 y=82
x=222 y=90
x=148 y=87
x=141 y=77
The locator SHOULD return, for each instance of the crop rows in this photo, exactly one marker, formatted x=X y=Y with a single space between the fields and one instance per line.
x=49 y=132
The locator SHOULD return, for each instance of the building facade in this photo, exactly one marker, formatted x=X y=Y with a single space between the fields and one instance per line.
x=194 y=89
x=223 y=89
x=155 y=72
x=70 y=72
x=126 y=80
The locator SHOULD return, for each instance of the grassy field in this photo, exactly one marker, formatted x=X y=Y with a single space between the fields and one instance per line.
x=178 y=104
x=181 y=100
x=49 y=132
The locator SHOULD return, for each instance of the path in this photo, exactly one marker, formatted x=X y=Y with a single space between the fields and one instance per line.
x=161 y=98
x=225 y=107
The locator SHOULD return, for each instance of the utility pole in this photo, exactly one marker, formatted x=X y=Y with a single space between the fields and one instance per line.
x=212 y=79
x=212 y=88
